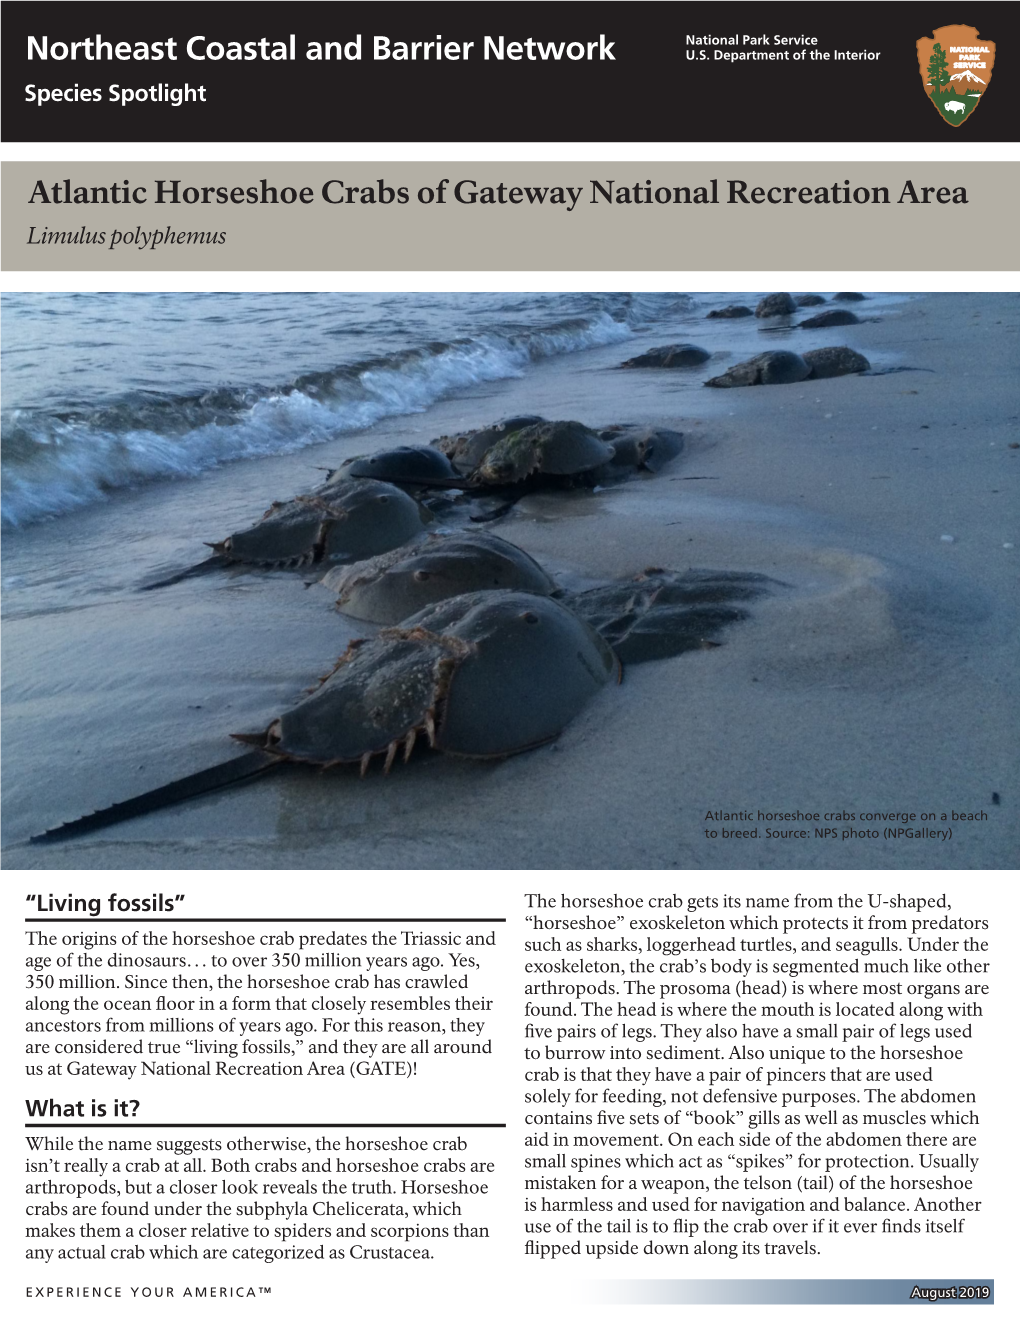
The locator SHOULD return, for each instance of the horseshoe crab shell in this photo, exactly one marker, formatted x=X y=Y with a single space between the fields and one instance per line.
x=407 y=465
x=394 y=586
x=466 y=451
x=670 y=355
x=355 y=521
x=486 y=674
x=729 y=313
x=775 y=304
x=661 y=613
x=642 y=446
x=778 y=368
x=835 y=361
x=553 y=449
x=833 y=316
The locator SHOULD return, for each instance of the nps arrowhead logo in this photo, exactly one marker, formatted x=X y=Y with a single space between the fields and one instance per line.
x=956 y=68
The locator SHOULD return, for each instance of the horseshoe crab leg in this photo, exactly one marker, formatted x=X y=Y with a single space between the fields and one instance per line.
x=236 y=771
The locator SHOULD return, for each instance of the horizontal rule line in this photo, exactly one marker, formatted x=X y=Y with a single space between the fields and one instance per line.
x=265 y=1125
x=378 y=921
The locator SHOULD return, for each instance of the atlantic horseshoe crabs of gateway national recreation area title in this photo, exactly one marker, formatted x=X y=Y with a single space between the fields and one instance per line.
x=467 y=192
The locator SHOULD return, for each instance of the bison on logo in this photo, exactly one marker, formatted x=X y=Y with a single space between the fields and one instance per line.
x=956 y=68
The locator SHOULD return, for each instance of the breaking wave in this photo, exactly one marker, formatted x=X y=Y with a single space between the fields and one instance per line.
x=56 y=459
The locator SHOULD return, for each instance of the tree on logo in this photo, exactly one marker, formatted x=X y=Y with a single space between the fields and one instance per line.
x=938 y=70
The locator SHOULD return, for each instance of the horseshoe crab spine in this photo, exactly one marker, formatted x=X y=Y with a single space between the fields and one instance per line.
x=236 y=771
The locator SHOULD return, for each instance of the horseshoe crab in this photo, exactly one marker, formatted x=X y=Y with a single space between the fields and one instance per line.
x=483 y=675
x=840 y=361
x=775 y=304
x=661 y=613
x=544 y=449
x=524 y=452
x=393 y=586
x=834 y=316
x=467 y=450
x=670 y=355
x=407 y=465
x=352 y=521
x=647 y=447
x=779 y=368
x=486 y=674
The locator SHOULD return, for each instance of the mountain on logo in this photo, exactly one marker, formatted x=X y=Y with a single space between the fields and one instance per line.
x=951 y=59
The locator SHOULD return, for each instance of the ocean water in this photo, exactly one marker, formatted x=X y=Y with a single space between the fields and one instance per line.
x=106 y=391
x=102 y=391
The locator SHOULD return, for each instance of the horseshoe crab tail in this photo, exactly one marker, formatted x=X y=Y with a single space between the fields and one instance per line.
x=196 y=570
x=241 y=768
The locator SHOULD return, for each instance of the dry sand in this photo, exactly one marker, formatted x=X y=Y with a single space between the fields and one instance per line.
x=881 y=678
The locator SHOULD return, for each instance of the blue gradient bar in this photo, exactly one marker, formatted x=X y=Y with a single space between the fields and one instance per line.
x=792 y=1292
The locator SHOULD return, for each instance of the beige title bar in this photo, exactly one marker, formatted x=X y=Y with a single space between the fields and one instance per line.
x=159 y=216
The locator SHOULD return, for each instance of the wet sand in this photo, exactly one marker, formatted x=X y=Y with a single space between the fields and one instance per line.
x=880 y=678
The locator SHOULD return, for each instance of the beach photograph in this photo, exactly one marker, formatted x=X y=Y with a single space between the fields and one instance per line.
x=503 y=580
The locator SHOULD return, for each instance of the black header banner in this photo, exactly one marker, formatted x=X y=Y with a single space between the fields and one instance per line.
x=534 y=72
